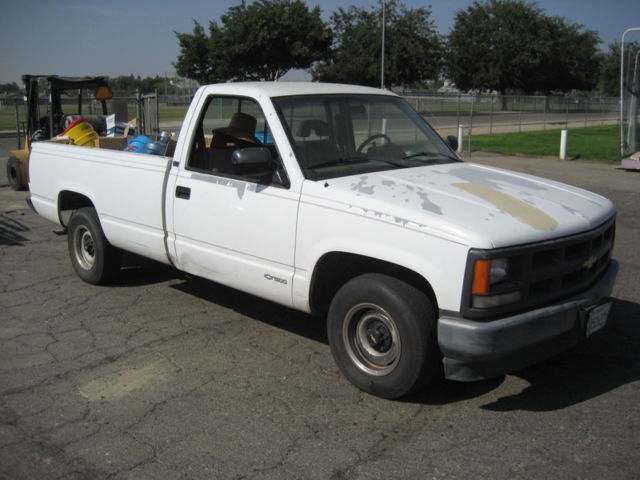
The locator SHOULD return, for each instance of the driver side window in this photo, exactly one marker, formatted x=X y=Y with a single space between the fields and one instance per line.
x=233 y=139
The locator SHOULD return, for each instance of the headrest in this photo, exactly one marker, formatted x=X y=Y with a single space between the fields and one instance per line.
x=320 y=128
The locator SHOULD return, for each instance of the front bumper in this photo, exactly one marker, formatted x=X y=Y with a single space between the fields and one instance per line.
x=476 y=350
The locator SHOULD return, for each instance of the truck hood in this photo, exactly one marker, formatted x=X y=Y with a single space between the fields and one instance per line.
x=472 y=204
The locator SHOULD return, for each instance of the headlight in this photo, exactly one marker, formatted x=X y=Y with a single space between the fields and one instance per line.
x=490 y=286
x=498 y=270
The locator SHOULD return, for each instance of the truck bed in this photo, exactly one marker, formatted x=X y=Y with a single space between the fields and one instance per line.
x=128 y=193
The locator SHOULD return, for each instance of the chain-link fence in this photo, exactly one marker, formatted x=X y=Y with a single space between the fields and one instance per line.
x=478 y=114
x=144 y=108
x=488 y=114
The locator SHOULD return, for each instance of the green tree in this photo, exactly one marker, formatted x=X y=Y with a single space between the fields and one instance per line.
x=573 y=60
x=9 y=88
x=609 y=81
x=195 y=60
x=413 y=49
x=151 y=84
x=512 y=45
x=130 y=83
x=259 y=41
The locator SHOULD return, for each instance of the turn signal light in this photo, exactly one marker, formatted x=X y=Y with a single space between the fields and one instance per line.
x=481 y=275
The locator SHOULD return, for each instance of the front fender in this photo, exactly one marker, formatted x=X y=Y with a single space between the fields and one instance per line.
x=323 y=230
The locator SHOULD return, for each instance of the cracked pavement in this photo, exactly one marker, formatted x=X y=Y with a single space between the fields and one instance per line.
x=163 y=376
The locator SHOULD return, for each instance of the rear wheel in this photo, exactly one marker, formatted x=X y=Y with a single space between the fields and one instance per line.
x=382 y=333
x=93 y=258
x=14 y=177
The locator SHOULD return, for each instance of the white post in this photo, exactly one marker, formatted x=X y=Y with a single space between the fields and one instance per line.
x=460 y=138
x=564 y=143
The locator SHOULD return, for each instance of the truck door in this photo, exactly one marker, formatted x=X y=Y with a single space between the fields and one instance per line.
x=235 y=223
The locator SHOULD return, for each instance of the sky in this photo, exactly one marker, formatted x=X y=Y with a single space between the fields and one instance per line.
x=89 y=37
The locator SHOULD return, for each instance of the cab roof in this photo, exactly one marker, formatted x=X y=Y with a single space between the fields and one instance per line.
x=281 y=89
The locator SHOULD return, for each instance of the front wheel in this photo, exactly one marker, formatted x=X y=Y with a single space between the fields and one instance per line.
x=93 y=258
x=382 y=333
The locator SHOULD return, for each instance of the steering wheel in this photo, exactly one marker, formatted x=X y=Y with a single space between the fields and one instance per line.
x=371 y=139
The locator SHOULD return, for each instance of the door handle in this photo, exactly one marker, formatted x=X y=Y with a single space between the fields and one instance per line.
x=183 y=192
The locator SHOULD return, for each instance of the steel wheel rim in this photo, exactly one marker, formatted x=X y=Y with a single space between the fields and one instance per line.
x=371 y=338
x=84 y=248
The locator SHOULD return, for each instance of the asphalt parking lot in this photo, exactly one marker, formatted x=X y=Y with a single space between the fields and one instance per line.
x=161 y=376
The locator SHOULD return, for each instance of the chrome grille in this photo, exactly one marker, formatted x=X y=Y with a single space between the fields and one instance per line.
x=547 y=271
x=571 y=265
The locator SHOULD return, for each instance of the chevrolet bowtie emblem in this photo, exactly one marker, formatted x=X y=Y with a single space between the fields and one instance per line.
x=590 y=262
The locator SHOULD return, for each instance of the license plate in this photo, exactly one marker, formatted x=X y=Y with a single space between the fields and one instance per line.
x=597 y=318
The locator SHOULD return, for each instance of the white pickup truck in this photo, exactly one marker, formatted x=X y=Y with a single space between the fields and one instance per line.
x=342 y=201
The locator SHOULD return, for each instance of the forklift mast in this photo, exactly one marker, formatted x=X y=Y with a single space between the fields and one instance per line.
x=57 y=86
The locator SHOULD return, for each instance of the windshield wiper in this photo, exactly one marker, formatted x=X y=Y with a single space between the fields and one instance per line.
x=427 y=154
x=340 y=161
x=395 y=163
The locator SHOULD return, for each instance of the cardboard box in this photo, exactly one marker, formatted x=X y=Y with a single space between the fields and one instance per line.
x=111 y=143
x=115 y=128
x=171 y=148
x=118 y=129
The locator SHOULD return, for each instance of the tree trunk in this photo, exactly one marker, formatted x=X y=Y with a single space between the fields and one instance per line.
x=503 y=101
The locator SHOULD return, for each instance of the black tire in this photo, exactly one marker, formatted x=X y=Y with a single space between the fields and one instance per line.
x=93 y=258
x=14 y=177
x=383 y=335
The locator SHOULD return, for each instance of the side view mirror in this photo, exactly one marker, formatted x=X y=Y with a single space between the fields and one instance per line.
x=252 y=160
x=258 y=162
x=452 y=141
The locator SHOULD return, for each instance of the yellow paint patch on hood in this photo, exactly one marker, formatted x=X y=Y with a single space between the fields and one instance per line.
x=521 y=211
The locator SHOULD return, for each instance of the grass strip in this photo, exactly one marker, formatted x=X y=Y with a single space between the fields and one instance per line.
x=588 y=143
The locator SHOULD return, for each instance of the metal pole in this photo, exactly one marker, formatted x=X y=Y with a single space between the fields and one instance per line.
x=157 y=113
x=473 y=101
x=633 y=109
x=140 y=124
x=15 y=103
x=382 y=53
x=634 y=29
x=51 y=134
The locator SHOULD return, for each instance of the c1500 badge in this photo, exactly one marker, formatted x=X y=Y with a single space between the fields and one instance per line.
x=275 y=279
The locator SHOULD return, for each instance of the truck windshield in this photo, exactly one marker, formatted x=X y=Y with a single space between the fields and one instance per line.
x=339 y=135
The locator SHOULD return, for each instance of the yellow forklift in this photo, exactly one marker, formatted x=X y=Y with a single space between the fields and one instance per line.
x=53 y=122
